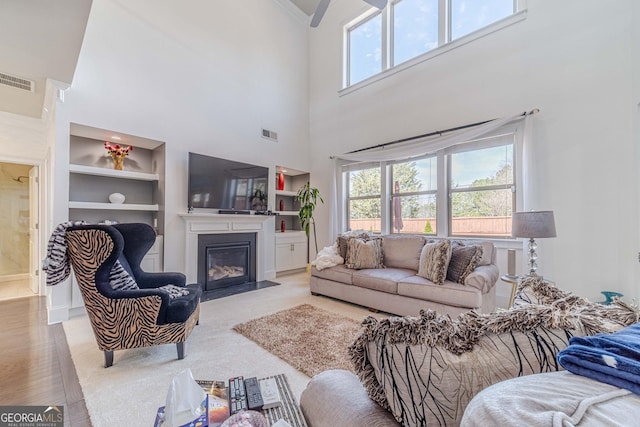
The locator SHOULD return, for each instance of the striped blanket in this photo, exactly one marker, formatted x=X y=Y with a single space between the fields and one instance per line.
x=56 y=265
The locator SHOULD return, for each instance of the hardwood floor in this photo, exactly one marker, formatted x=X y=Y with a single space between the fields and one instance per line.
x=36 y=365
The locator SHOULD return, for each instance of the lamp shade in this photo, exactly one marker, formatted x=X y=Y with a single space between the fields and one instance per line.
x=534 y=224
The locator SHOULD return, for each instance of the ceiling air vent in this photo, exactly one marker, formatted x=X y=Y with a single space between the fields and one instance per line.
x=17 y=82
x=269 y=134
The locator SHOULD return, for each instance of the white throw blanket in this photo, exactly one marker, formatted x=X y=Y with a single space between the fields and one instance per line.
x=327 y=257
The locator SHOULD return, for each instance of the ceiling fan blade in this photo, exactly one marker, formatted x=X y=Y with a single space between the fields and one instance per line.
x=319 y=13
x=380 y=4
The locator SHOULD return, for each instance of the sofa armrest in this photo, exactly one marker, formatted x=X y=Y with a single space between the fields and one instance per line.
x=483 y=278
x=337 y=398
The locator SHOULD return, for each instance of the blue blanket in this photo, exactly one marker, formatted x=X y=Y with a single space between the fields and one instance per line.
x=609 y=358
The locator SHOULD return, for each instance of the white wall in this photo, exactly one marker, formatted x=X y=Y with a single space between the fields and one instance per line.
x=201 y=76
x=28 y=140
x=572 y=60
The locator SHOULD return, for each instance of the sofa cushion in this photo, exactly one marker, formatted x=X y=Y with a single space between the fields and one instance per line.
x=434 y=260
x=339 y=273
x=464 y=259
x=383 y=279
x=449 y=293
x=364 y=253
x=181 y=307
x=402 y=251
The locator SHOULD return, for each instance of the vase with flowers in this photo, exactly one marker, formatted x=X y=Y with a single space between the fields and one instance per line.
x=118 y=153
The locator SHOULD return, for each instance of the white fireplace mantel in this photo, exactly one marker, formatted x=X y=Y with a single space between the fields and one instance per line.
x=209 y=223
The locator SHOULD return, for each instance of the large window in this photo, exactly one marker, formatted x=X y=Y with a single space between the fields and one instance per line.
x=364 y=195
x=481 y=191
x=407 y=29
x=471 y=15
x=466 y=190
x=415 y=28
x=413 y=196
x=365 y=48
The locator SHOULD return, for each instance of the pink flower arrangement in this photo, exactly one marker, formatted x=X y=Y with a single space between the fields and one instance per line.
x=117 y=150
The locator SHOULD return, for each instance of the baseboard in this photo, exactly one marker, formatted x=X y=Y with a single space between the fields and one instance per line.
x=12 y=277
x=57 y=315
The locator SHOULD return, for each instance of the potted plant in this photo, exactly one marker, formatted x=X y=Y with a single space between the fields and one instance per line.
x=308 y=197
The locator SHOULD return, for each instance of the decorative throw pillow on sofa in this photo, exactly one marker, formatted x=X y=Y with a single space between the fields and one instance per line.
x=464 y=259
x=434 y=260
x=343 y=240
x=364 y=253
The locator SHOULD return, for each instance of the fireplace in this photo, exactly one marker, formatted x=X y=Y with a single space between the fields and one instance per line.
x=200 y=223
x=227 y=259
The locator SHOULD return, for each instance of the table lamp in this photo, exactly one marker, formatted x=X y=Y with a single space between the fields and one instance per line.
x=533 y=225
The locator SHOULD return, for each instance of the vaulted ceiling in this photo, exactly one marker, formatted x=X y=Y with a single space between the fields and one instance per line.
x=307 y=6
x=40 y=40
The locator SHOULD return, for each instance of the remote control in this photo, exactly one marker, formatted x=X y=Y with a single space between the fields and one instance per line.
x=254 y=397
x=237 y=395
x=270 y=393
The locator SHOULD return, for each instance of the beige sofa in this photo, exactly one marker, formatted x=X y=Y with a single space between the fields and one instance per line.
x=397 y=289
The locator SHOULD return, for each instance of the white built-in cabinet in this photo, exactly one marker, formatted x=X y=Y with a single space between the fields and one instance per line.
x=291 y=245
x=92 y=178
x=291 y=250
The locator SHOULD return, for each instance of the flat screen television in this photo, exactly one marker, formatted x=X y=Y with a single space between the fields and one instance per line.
x=223 y=184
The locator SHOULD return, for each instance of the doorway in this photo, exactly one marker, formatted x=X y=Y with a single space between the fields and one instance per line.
x=19 y=235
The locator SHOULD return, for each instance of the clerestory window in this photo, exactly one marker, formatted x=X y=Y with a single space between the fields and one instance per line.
x=409 y=29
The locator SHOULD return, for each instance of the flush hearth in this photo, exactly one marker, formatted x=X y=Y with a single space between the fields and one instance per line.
x=226 y=260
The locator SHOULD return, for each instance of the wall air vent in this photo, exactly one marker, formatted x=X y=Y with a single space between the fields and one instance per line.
x=269 y=134
x=17 y=82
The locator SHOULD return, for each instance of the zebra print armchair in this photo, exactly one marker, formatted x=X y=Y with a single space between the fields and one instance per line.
x=128 y=307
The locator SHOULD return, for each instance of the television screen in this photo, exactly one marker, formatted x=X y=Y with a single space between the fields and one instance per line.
x=216 y=183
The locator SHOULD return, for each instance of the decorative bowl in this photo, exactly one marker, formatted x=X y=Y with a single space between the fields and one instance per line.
x=116 y=198
x=246 y=419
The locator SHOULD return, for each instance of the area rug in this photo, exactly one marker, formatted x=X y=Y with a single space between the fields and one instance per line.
x=130 y=392
x=308 y=338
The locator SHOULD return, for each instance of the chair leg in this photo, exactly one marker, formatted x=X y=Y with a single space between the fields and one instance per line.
x=108 y=358
x=180 y=348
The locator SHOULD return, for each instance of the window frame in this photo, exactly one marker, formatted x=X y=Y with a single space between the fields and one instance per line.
x=353 y=167
x=392 y=194
x=445 y=43
x=443 y=186
x=480 y=144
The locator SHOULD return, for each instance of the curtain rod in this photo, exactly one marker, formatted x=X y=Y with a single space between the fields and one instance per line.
x=438 y=132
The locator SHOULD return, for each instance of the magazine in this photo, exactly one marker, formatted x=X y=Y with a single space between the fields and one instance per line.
x=218 y=394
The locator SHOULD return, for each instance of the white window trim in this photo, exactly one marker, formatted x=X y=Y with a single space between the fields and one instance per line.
x=442 y=195
x=519 y=16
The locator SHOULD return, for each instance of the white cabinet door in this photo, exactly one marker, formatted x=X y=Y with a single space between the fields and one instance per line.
x=291 y=251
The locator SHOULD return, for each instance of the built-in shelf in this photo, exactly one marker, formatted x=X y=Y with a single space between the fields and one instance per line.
x=113 y=173
x=286 y=193
x=287 y=213
x=113 y=206
x=291 y=233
